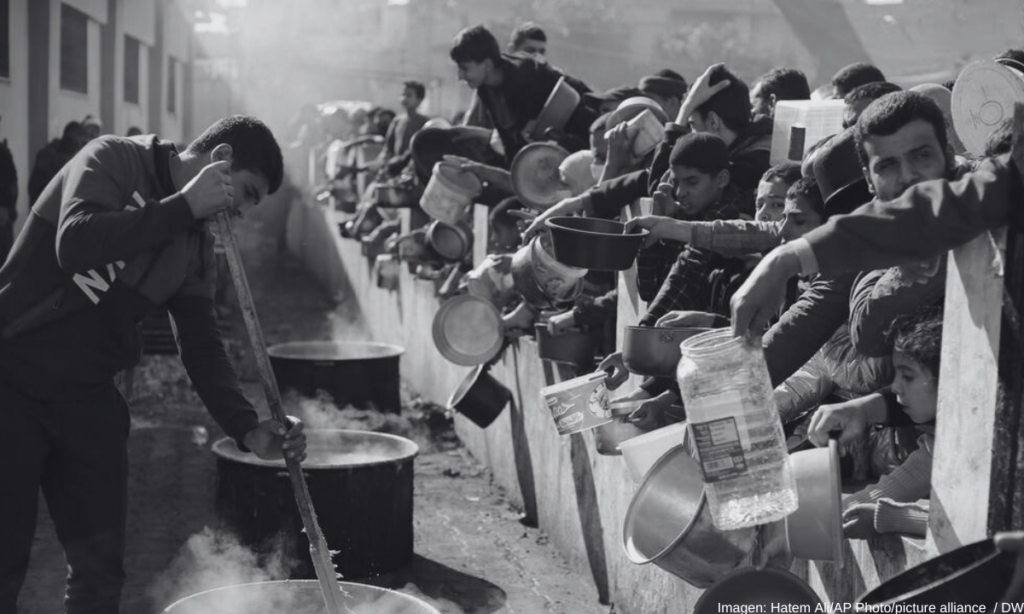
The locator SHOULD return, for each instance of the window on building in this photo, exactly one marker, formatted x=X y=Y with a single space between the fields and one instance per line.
x=74 y=50
x=131 y=69
x=5 y=39
x=172 y=85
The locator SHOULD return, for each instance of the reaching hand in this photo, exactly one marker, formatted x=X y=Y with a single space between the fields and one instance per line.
x=700 y=92
x=658 y=226
x=686 y=319
x=620 y=151
x=616 y=368
x=270 y=441
x=664 y=199
x=568 y=206
x=761 y=295
x=210 y=191
x=859 y=521
x=849 y=418
x=654 y=413
x=562 y=322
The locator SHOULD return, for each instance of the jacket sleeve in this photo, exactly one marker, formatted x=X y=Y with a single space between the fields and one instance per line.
x=99 y=222
x=608 y=199
x=747 y=168
x=736 y=237
x=805 y=327
x=203 y=354
x=926 y=220
x=911 y=481
x=804 y=390
x=878 y=297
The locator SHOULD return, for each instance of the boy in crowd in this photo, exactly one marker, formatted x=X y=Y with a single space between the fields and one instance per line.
x=512 y=90
x=861 y=96
x=396 y=154
x=775 y=85
x=849 y=77
x=892 y=504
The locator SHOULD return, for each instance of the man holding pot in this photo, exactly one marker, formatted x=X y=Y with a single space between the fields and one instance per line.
x=120 y=230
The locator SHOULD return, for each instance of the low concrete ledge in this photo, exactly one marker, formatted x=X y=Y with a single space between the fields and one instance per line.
x=576 y=495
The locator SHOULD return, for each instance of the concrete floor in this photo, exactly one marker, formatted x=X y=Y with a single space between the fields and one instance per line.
x=472 y=553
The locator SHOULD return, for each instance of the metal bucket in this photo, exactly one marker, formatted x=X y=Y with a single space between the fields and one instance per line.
x=294 y=596
x=362 y=374
x=361 y=486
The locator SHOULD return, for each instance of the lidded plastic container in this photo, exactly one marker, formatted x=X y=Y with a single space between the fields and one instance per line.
x=736 y=430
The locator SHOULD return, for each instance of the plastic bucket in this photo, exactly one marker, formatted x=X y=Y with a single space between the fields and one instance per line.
x=578 y=404
x=647 y=131
x=449 y=193
x=640 y=453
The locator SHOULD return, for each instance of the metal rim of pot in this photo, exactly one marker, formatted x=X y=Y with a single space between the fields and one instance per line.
x=227 y=449
x=637 y=355
x=462 y=234
x=311 y=585
x=574 y=347
x=708 y=601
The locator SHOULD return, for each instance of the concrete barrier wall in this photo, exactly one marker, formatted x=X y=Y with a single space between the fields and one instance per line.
x=577 y=496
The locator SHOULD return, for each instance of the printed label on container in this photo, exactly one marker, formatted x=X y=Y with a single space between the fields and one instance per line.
x=719 y=449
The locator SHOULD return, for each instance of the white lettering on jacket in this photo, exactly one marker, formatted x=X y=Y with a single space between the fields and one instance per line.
x=92 y=282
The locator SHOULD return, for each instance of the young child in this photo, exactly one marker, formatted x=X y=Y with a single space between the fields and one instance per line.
x=771 y=191
x=894 y=504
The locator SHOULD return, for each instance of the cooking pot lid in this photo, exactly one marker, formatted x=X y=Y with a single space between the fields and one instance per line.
x=536 y=179
x=983 y=96
x=752 y=586
x=467 y=330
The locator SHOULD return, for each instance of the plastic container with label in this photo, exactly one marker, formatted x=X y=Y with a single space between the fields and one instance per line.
x=736 y=430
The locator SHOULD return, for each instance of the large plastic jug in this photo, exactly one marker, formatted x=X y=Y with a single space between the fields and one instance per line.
x=736 y=430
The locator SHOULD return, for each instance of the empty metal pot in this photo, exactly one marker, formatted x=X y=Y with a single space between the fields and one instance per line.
x=654 y=351
x=362 y=374
x=668 y=523
x=573 y=347
x=543 y=286
x=452 y=242
x=480 y=397
x=595 y=244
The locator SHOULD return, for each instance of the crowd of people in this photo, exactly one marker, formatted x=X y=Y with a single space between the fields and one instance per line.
x=848 y=308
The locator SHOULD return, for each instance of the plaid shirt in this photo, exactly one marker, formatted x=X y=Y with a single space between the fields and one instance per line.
x=699 y=280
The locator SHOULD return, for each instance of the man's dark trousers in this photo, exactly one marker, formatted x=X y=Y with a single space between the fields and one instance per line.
x=77 y=453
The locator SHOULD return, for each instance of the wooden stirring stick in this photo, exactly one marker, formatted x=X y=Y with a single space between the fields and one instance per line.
x=318 y=549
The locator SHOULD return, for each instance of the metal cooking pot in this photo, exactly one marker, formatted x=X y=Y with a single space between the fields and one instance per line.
x=668 y=523
x=543 y=286
x=362 y=374
x=360 y=483
x=367 y=219
x=574 y=347
x=298 y=596
x=452 y=242
x=654 y=351
x=480 y=397
x=595 y=244
x=375 y=242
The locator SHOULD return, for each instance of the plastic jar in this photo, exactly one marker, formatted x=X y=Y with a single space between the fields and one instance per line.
x=736 y=430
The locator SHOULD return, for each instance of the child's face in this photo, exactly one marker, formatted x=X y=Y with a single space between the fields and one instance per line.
x=798 y=219
x=694 y=190
x=771 y=199
x=916 y=388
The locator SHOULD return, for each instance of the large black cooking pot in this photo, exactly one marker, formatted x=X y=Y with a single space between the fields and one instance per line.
x=480 y=397
x=361 y=486
x=297 y=597
x=595 y=244
x=361 y=374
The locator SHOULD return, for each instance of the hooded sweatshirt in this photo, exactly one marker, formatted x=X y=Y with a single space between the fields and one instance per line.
x=109 y=239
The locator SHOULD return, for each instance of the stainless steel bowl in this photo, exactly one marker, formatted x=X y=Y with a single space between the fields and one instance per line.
x=669 y=524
